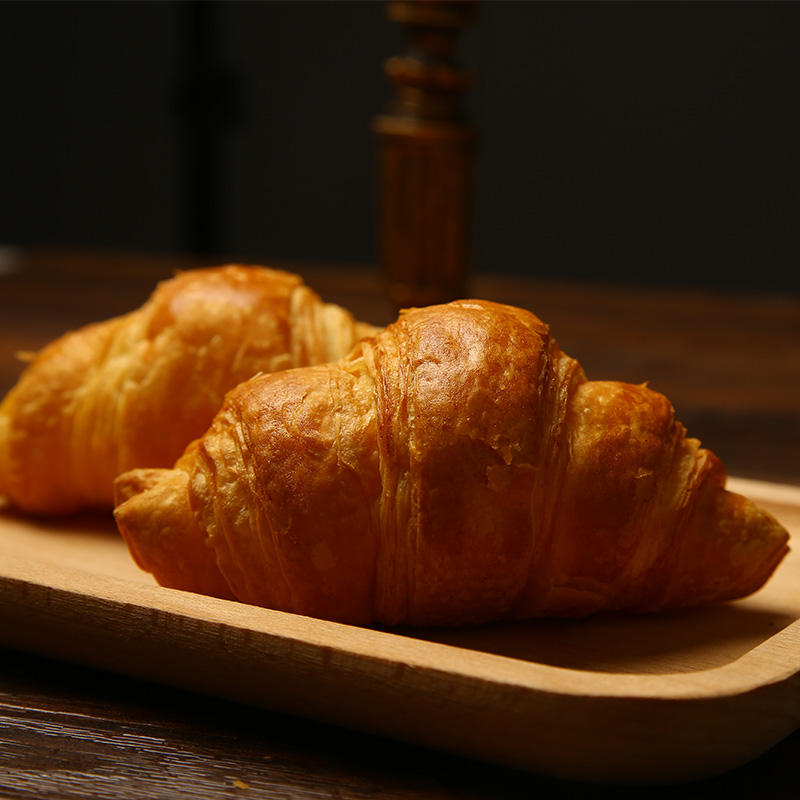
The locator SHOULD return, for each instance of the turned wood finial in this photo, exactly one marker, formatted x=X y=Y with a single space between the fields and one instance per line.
x=426 y=151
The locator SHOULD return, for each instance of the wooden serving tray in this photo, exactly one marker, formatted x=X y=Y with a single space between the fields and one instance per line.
x=618 y=699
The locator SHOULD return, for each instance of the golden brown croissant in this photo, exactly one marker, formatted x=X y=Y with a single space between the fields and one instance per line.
x=455 y=468
x=133 y=391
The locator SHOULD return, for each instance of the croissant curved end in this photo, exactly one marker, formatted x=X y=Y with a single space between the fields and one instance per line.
x=748 y=542
x=176 y=555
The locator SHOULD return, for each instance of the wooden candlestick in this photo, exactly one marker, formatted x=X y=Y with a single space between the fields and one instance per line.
x=426 y=154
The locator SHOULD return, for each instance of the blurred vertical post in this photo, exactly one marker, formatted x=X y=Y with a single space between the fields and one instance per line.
x=426 y=155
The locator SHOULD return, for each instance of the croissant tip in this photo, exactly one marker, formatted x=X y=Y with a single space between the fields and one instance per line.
x=26 y=356
x=134 y=482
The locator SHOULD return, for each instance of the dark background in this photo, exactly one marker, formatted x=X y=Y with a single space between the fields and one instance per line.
x=624 y=142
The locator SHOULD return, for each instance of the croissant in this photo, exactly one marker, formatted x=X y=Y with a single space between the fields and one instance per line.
x=456 y=468
x=133 y=391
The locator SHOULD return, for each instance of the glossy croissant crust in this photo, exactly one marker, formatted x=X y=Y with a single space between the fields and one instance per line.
x=133 y=391
x=455 y=468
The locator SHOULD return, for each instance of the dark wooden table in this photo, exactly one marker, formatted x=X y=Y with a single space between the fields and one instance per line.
x=730 y=364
